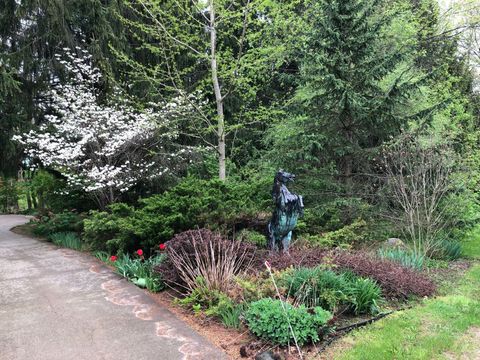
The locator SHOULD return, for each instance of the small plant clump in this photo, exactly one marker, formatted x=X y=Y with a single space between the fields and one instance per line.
x=317 y=287
x=405 y=258
x=206 y=254
x=282 y=324
x=137 y=270
x=66 y=239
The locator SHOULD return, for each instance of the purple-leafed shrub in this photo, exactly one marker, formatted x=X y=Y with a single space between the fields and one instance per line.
x=202 y=253
x=396 y=281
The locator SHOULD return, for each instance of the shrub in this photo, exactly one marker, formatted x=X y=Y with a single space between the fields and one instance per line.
x=317 y=287
x=250 y=289
x=66 y=221
x=111 y=231
x=296 y=257
x=267 y=319
x=191 y=203
x=403 y=257
x=253 y=237
x=8 y=195
x=351 y=234
x=205 y=254
x=395 y=280
x=66 y=239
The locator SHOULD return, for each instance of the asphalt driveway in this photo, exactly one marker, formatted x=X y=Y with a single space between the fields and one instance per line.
x=62 y=304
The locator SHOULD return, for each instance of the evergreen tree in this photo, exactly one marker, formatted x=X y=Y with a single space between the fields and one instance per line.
x=354 y=85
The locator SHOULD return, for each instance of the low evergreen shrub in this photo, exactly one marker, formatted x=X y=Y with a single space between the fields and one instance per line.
x=66 y=221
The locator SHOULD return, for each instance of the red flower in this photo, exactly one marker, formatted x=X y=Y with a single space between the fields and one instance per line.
x=113 y=258
x=162 y=247
x=139 y=252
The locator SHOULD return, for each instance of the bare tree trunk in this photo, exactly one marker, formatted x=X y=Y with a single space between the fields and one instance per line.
x=218 y=95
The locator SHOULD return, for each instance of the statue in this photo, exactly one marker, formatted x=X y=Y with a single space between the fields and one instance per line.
x=288 y=208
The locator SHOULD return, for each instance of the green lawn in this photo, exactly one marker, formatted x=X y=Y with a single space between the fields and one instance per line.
x=436 y=329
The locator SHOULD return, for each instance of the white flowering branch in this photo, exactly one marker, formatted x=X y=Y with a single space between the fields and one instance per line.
x=104 y=148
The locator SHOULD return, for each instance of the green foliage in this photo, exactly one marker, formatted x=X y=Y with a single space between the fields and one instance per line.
x=252 y=289
x=318 y=287
x=227 y=311
x=193 y=202
x=253 y=237
x=201 y=297
x=140 y=271
x=8 y=195
x=102 y=256
x=111 y=231
x=404 y=257
x=364 y=294
x=66 y=239
x=348 y=235
x=54 y=194
x=55 y=223
x=269 y=319
x=450 y=250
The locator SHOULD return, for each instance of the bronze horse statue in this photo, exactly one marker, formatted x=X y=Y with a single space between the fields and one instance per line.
x=288 y=208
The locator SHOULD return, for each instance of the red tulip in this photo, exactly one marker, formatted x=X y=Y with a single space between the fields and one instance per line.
x=162 y=247
x=139 y=252
x=113 y=258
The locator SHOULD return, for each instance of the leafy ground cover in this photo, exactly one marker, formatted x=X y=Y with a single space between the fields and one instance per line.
x=438 y=328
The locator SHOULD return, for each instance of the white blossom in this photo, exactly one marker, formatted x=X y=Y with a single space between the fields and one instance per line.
x=105 y=149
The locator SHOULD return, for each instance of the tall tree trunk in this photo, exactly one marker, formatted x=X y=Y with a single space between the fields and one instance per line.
x=29 y=200
x=218 y=95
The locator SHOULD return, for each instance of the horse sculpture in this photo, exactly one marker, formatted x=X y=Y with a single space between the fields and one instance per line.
x=288 y=208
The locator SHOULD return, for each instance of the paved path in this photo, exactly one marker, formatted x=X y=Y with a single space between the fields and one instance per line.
x=61 y=304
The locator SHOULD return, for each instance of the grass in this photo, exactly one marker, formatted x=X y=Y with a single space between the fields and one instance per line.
x=424 y=332
x=432 y=330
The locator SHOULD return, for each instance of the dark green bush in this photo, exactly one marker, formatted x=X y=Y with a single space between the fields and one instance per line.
x=111 y=231
x=66 y=221
x=269 y=319
x=191 y=203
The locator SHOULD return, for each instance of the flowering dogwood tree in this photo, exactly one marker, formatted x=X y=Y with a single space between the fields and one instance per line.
x=104 y=148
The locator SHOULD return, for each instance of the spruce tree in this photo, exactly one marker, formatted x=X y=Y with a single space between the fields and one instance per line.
x=351 y=84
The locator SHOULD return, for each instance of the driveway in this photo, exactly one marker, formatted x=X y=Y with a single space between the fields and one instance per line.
x=62 y=304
